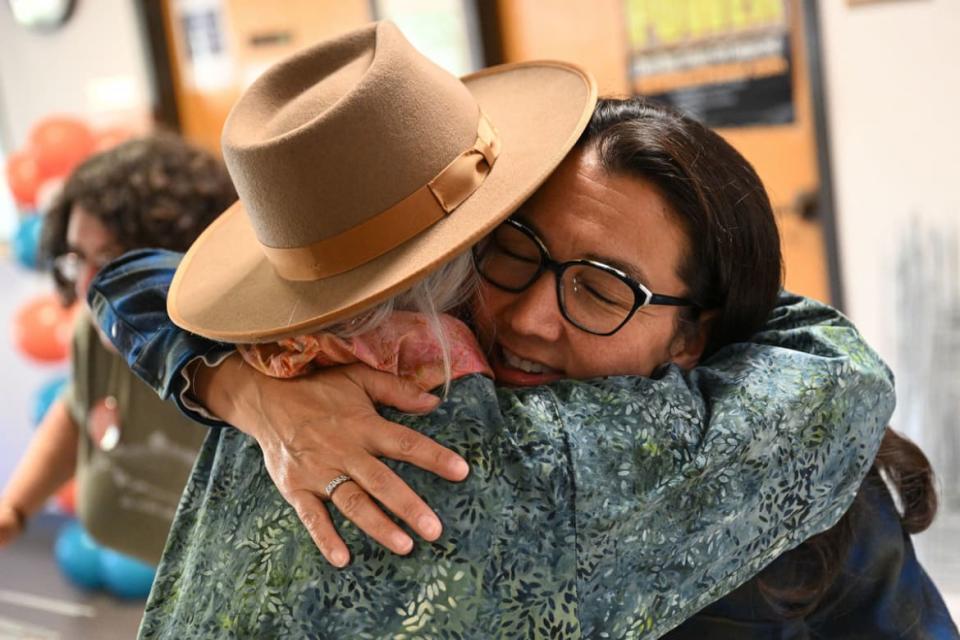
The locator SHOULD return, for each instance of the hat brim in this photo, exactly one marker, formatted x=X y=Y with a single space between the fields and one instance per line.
x=225 y=289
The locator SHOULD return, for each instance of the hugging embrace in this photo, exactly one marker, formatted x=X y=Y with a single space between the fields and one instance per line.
x=651 y=439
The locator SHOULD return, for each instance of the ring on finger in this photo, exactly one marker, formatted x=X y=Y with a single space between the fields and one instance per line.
x=333 y=484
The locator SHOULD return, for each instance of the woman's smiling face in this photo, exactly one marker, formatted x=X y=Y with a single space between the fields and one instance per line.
x=583 y=211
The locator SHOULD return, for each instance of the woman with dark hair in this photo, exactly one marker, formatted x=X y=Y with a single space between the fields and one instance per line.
x=157 y=191
x=131 y=453
x=618 y=482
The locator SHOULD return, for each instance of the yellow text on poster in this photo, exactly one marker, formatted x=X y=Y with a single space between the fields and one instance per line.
x=659 y=23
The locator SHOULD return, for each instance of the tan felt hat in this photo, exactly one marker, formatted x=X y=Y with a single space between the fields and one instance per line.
x=361 y=167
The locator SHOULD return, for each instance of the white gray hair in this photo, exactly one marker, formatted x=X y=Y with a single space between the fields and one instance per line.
x=443 y=290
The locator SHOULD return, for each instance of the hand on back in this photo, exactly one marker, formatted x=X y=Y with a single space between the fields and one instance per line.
x=317 y=427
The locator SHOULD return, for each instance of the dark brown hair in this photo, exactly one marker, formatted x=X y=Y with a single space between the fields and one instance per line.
x=733 y=268
x=733 y=264
x=156 y=191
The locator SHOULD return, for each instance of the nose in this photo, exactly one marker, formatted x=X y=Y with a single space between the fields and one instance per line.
x=535 y=311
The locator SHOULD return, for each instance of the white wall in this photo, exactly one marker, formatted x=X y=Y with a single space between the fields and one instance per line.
x=95 y=67
x=894 y=115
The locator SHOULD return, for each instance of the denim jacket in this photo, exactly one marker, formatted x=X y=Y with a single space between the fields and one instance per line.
x=658 y=498
x=128 y=300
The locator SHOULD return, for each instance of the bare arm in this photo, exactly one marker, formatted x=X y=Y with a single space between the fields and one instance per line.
x=49 y=462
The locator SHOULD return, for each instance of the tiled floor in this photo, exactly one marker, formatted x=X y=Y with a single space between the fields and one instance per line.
x=36 y=602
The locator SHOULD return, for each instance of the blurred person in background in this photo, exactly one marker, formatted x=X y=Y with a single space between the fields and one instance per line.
x=130 y=451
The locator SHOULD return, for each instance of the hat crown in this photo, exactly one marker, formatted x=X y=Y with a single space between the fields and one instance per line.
x=339 y=133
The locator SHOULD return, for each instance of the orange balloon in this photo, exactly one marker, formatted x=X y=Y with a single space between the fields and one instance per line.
x=60 y=144
x=23 y=176
x=43 y=328
x=66 y=497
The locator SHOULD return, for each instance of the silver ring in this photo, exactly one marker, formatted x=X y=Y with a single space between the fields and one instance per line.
x=336 y=482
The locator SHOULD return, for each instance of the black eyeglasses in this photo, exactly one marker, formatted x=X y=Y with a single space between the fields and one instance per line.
x=69 y=266
x=593 y=296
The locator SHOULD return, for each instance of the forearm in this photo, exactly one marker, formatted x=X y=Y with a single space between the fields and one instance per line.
x=231 y=391
x=49 y=461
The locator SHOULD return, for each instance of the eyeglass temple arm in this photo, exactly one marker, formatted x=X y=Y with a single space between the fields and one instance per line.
x=656 y=298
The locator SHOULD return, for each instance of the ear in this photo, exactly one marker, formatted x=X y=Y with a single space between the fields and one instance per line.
x=688 y=345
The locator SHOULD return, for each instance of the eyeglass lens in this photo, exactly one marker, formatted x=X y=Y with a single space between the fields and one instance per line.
x=70 y=266
x=593 y=299
x=67 y=267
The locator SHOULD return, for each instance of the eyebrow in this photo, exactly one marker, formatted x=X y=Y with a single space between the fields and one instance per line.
x=112 y=248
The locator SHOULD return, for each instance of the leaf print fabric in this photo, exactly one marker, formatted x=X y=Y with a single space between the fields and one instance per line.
x=611 y=508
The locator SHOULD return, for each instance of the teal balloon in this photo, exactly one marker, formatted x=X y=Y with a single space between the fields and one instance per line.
x=45 y=396
x=78 y=556
x=125 y=577
x=26 y=241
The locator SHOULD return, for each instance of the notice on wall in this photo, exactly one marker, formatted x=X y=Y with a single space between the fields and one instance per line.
x=205 y=44
x=446 y=31
x=726 y=62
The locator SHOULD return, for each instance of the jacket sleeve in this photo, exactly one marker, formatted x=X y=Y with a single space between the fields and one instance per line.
x=692 y=482
x=128 y=301
x=881 y=592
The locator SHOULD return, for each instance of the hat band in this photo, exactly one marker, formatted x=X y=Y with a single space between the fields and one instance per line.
x=394 y=226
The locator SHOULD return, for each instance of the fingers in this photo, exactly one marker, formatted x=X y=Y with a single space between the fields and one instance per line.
x=393 y=493
x=402 y=443
x=356 y=506
x=313 y=513
x=393 y=391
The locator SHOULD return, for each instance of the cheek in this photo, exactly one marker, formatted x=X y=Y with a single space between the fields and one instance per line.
x=84 y=279
x=81 y=286
x=486 y=304
x=636 y=350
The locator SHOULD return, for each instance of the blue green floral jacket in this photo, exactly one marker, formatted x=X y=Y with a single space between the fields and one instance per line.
x=614 y=508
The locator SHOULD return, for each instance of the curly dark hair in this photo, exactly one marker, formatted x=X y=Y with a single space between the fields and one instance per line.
x=157 y=191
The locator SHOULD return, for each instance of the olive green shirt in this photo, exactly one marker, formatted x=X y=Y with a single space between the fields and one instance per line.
x=127 y=495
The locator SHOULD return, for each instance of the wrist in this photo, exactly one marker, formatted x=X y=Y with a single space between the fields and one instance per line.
x=19 y=514
x=208 y=382
x=230 y=391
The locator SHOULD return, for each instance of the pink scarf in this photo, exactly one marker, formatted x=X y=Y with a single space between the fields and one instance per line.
x=403 y=345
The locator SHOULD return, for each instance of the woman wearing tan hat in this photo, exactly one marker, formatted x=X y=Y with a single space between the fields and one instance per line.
x=619 y=505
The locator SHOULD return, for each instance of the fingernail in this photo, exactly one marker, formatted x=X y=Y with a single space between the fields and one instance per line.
x=339 y=558
x=460 y=468
x=430 y=526
x=402 y=543
x=429 y=398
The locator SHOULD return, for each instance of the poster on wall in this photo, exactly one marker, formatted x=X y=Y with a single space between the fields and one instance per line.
x=205 y=44
x=726 y=62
